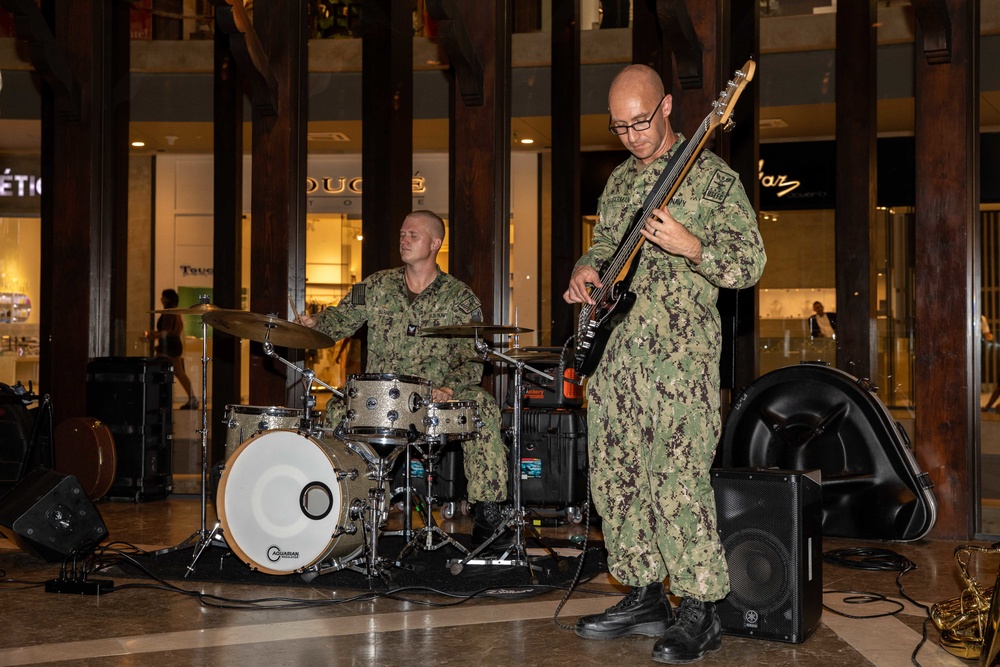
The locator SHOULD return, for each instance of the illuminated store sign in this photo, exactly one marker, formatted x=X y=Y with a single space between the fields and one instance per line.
x=20 y=185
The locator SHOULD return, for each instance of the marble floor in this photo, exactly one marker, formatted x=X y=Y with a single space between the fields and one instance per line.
x=155 y=626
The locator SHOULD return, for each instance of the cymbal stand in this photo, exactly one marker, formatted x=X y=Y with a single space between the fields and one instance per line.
x=516 y=553
x=308 y=399
x=201 y=538
x=424 y=538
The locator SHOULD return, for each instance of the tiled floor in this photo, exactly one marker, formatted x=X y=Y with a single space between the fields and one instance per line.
x=148 y=626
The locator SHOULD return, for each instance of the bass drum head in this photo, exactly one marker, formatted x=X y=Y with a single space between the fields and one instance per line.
x=281 y=505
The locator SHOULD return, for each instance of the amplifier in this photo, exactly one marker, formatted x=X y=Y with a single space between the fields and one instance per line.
x=559 y=392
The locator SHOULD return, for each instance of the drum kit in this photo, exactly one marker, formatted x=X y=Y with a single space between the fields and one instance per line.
x=296 y=496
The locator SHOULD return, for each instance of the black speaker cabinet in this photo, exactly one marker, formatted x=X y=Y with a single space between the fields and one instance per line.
x=770 y=522
x=49 y=515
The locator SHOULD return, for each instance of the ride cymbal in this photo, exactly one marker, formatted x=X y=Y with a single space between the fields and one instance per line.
x=471 y=329
x=267 y=329
x=197 y=309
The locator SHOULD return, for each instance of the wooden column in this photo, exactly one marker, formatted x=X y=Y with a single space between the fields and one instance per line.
x=80 y=51
x=567 y=227
x=278 y=177
x=227 y=249
x=387 y=130
x=856 y=58
x=740 y=147
x=946 y=239
x=476 y=37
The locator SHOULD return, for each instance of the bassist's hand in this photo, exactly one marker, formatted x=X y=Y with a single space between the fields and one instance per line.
x=663 y=230
x=578 y=285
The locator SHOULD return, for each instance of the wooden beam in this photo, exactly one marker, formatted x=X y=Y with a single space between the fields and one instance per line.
x=47 y=56
x=679 y=33
x=935 y=29
x=947 y=275
x=567 y=232
x=460 y=49
x=232 y=18
x=856 y=186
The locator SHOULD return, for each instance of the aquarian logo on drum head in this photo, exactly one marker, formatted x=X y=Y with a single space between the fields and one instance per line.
x=274 y=553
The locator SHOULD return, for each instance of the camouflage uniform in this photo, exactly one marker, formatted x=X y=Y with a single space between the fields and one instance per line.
x=653 y=415
x=380 y=300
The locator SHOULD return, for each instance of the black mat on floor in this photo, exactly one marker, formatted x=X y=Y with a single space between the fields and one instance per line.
x=419 y=568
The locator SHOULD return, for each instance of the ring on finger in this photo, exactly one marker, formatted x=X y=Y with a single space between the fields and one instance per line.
x=654 y=232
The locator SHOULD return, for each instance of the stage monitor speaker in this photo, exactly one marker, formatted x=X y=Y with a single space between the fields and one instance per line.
x=770 y=522
x=49 y=515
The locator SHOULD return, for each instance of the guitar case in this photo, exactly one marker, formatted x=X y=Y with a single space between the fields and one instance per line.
x=812 y=416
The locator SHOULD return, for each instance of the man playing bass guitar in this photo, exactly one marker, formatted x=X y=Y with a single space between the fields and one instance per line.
x=653 y=420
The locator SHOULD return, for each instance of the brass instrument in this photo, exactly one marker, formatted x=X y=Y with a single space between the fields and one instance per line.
x=968 y=622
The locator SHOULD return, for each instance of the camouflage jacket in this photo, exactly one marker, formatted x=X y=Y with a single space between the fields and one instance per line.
x=380 y=300
x=675 y=311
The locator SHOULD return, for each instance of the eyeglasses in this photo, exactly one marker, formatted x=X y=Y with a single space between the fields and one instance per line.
x=639 y=125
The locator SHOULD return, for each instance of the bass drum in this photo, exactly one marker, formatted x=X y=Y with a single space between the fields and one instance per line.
x=284 y=507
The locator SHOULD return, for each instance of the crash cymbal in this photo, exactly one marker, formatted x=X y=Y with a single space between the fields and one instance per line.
x=267 y=328
x=471 y=329
x=197 y=309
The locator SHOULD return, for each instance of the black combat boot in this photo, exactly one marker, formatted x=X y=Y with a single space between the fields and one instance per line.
x=489 y=517
x=696 y=631
x=644 y=611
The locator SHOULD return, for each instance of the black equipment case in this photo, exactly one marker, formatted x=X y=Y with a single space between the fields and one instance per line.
x=812 y=416
x=553 y=464
x=133 y=397
x=448 y=484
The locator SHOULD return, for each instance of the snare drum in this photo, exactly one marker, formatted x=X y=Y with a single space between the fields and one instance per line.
x=451 y=421
x=243 y=421
x=385 y=408
x=284 y=506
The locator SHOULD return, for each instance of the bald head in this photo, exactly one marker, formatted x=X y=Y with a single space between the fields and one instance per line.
x=636 y=81
x=434 y=223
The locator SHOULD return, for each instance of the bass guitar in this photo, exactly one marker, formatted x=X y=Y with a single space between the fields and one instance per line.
x=613 y=300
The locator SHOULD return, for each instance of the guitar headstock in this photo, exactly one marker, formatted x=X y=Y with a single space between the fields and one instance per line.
x=723 y=107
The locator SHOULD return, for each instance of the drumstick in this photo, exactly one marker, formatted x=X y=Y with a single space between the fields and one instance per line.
x=292 y=304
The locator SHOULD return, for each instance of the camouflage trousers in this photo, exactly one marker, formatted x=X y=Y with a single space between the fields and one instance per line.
x=485 y=457
x=652 y=434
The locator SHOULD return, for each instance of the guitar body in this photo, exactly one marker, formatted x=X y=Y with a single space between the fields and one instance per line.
x=590 y=349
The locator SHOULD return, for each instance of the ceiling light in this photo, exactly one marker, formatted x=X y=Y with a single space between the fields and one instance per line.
x=527 y=141
x=138 y=144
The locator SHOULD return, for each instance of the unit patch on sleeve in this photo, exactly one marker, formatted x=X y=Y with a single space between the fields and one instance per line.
x=411 y=329
x=358 y=294
x=718 y=189
x=469 y=304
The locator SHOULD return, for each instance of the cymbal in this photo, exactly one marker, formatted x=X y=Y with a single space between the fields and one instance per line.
x=471 y=329
x=267 y=328
x=197 y=309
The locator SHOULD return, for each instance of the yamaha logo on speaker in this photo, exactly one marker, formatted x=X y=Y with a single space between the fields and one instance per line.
x=750 y=618
x=274 y=554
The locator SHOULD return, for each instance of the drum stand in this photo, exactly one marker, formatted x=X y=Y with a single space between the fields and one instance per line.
x=424 y=538
x=202 y=538
x=515 y=554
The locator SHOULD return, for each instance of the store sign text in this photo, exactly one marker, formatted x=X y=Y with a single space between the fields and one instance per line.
x=188 y=270
x=780 y=181
x=351 y=187
x=19 y=185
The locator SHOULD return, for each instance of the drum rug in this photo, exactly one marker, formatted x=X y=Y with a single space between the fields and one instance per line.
x=419 y=569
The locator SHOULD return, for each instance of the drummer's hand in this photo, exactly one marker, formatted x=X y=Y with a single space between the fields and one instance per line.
x=577 y=292
x=306 y=321
x=442 y=394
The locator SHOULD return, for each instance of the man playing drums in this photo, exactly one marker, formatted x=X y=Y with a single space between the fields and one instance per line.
x=396 y=304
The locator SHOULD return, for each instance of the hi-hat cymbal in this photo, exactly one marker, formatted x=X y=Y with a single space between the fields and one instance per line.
x=531 y=356
x=197 y=309
x=267 y=328
x=471 y=329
